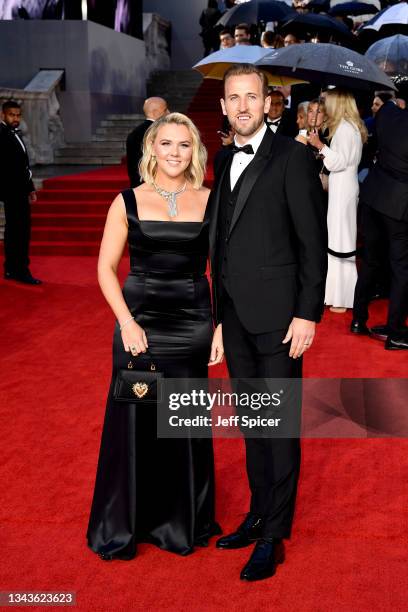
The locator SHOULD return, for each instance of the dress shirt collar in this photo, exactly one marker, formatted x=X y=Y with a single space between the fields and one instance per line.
x=255 y=141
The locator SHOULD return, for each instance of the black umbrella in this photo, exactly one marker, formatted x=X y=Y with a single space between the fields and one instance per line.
x=326 y=64
x=391 y=54
x=318 y=6
x=352 y=8
x=256 y=11
x=310 y=24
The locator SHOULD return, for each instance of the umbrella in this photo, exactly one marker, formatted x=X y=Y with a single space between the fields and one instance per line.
x=256 y=11
x=309 y=23
x=390 y=54
x=214 y=65
x=318 y=6
x=326 y=64
x=352 y=8
x=390 y=18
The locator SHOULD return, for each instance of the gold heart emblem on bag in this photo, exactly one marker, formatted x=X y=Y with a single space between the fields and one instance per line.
x=140 y=389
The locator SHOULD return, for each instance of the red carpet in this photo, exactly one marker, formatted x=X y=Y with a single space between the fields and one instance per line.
x=349 y=545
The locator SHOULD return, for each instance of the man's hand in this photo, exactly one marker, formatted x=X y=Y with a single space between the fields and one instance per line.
x=32 y=197
x=301 y=332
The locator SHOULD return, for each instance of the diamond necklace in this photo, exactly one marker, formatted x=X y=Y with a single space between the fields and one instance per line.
x=170 y=196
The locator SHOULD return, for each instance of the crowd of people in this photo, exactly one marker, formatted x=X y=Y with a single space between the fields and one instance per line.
x=340 y=128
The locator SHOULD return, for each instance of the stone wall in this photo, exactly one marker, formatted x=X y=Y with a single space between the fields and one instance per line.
x=105 y=71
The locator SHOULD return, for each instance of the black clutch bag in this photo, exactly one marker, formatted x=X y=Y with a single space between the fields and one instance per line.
x=137 y=386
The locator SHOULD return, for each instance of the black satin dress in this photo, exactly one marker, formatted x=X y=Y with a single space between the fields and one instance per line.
x=149 y=489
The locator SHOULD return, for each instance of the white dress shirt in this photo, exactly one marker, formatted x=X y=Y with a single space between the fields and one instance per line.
x=242 y=160
x=273 y=125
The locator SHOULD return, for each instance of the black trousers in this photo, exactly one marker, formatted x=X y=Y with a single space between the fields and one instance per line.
x=376 y=227
x=272 y=463
x=17 y=233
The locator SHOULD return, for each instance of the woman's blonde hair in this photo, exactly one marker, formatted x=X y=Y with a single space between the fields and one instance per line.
x=321 y=107
x=342 y=105
x=196 y=170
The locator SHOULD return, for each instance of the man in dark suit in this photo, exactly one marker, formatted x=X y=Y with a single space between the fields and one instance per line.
x=384 y=212
x=153 y=109
x=279 y=118
x=268 y=242
x=17 y=192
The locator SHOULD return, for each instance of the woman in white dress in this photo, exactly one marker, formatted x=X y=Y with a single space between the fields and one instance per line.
x=347 y=133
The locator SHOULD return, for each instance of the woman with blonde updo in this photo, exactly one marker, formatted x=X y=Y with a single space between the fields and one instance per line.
x=150 y=489
x=346 y=134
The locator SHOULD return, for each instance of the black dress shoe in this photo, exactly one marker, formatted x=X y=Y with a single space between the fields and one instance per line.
x=27 y=279
x=246 y=534
x=380 y=332
x=358 y=327
x=397 y=343
x=262 y=563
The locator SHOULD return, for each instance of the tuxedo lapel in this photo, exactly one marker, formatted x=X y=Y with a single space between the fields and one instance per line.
x=252 y=173
x=215 y=204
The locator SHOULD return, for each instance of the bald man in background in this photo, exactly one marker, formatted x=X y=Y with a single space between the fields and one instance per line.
x=153 y=109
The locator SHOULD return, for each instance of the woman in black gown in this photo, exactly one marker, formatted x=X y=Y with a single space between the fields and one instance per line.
x=149 y=489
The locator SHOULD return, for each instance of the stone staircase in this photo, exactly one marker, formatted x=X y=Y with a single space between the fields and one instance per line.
x=107 y=147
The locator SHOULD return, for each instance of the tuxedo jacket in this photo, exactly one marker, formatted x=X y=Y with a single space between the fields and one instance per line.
x=386 y=187
x=15 y=175
x=277 y=241
x=134 y=144
x=287 y=125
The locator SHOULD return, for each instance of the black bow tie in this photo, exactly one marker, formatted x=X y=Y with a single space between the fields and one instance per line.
x=16 y=131
x=245 y=149
x=275 y=122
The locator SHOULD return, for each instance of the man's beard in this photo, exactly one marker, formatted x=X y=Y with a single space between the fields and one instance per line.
x=249 y=129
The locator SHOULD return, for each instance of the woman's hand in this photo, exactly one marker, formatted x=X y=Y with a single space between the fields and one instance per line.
x=302 y=139
x=314 y=140
x=134 y=338
x=217 y=347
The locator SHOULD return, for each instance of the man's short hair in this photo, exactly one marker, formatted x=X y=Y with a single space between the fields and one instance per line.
x=10 y=104
x=268 y=37
x=223 y=32
x=385 y=96
x=240 y=69
x=277 y=92
x=243 y=26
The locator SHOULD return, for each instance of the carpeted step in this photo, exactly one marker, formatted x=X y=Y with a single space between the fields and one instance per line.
x=106 y=195
x=79 y=184
x=64 y=248
x=70 y=234
x=75 y=207
x=45 y=219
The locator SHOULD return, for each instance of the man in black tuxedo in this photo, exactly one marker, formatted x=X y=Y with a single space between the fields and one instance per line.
x=279 y=118
x=268 y=244
x=153 y=108
x=17 y=192
x=384 y=212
